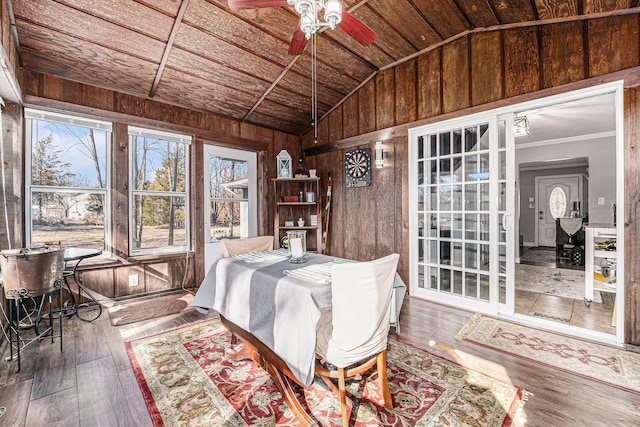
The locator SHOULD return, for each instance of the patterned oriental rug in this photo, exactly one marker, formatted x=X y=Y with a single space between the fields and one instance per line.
x=186 y=380
x=609 y=365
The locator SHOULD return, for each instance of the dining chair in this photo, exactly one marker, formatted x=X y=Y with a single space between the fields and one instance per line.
x=244 y=246
x=352 y=335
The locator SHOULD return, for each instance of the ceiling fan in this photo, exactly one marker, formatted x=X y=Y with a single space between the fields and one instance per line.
x=310 y=22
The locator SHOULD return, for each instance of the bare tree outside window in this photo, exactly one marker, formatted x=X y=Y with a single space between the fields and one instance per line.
x=67 y=188
x=159 y=192
x=229 y=196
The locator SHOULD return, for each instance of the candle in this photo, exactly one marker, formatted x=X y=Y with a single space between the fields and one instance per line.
x=296 y=248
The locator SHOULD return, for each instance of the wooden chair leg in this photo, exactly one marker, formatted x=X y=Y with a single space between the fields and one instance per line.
x=342 y=392
x=382 y=377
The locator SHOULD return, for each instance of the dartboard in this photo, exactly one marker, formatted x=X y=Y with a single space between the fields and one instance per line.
x=357 y=166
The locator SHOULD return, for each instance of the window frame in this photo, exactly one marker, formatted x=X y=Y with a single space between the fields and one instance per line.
x=170 y=137
x=31 y=114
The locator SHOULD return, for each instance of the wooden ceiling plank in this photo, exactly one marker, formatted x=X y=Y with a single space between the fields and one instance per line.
x=167 y=49
x=227 y=26
x=282 y=96
x=597 y=6
x=179 y=88
x=132 y=15
x=89 y=73
x=276 y=122
x=404 y=19
x=336 y=55
x=301 y=85
x=280 y=22
x=88 y=28
x=389 y=39
x=477 y=12
x=444 y=16
x=100 y=66
x=269 y=89
x=192 y=40
x=205 y=69
x=170 y=7
x=326 y=76
x=513 y=11
x=371 y=54
x=548 y=9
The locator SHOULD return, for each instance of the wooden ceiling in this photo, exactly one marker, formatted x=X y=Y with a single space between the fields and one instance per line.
x=201 y=55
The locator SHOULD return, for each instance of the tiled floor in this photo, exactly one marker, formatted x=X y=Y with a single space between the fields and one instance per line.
x=596 y=317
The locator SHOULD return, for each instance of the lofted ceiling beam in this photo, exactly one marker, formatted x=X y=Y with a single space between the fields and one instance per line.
x=168 y=47
x=286 y=70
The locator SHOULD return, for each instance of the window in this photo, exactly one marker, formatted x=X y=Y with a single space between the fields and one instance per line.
x=229 y=185
x=159 y=200
x=557 y=202
x=67 y=180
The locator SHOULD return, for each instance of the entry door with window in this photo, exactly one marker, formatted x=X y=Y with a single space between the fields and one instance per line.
x=461 y=220
x=230 y=196
x=556 y=195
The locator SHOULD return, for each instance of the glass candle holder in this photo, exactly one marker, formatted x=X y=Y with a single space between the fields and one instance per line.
x=297 y=246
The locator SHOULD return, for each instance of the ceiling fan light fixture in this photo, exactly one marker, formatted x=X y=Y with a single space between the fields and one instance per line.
x=333 y=13
x=520 y=126
x=303 y=6
x=308 y=24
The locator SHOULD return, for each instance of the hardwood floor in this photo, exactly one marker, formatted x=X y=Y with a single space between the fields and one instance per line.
x=92 y=383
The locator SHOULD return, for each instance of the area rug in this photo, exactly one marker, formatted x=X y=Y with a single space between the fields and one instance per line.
x=187 y=380
x=123 y=314
x=560 y=282
x=609 y=365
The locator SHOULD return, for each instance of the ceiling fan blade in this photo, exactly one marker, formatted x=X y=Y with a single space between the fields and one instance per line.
x=356 y=29
x=298 y=42
x=255 y=4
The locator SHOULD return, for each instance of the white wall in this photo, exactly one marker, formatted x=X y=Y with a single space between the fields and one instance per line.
x=527 y=187
x=602 y=170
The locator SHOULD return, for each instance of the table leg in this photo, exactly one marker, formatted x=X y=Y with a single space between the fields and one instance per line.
x=265 y=358
x=74 y=274
x=286 y=389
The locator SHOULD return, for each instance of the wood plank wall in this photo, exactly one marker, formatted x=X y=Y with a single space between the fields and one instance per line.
x=476 y=72
x=166 y=272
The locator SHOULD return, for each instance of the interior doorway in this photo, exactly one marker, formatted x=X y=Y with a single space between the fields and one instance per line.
x=567 y=182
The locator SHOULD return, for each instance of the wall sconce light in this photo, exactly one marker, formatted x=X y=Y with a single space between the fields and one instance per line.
x=379 y=149
x=520 y=126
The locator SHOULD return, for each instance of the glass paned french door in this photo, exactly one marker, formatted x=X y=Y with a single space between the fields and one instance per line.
x=461 y=215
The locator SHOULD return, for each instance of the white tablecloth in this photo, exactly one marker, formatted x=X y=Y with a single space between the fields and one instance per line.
x=266 y=295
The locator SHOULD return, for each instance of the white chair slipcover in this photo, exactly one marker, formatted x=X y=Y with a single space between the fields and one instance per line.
x=357 y=325
x=244 y=246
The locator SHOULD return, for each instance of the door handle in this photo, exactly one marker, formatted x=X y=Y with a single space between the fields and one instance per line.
x=541 y=215
x=506 y=224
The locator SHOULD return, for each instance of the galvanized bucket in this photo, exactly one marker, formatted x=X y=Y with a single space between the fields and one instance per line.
x=31 y=272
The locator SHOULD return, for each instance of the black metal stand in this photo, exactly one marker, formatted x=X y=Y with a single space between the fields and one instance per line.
x=15 y=321
x=78 y=254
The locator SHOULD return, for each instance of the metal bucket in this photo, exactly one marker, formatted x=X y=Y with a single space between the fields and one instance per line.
x=31 y=272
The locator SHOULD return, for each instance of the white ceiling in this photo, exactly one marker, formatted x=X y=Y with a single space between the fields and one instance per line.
x=584 y=117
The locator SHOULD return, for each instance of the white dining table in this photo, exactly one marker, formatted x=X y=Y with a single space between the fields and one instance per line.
x=265 y=294
x=273 y=306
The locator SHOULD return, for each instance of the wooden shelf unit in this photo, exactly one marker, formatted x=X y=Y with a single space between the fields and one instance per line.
x=292 y=211
x=593 y=257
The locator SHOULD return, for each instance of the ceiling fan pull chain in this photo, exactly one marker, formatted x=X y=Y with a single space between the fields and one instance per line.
x=314 y=94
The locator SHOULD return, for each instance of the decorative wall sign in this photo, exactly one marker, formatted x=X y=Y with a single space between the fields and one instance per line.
x=357 y=167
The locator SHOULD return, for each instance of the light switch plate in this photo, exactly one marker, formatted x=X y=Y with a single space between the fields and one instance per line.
x=601 y=200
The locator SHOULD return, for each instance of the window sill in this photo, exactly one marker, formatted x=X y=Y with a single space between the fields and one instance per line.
x=149 y=258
